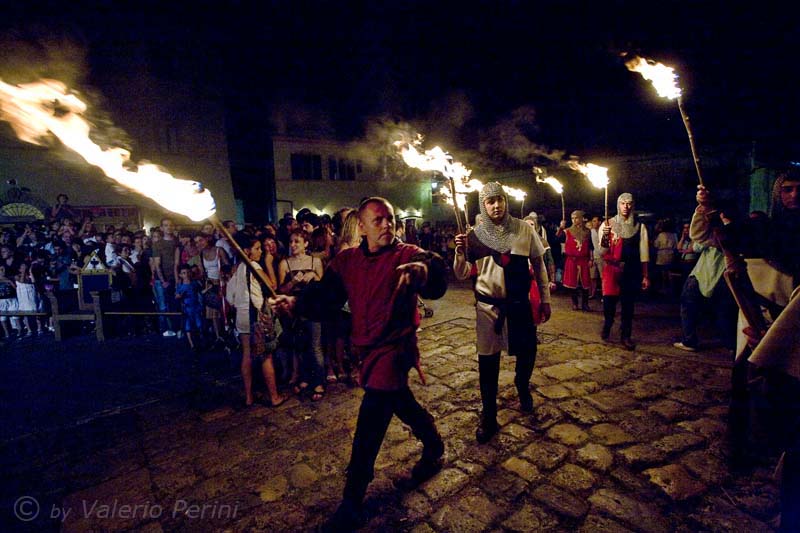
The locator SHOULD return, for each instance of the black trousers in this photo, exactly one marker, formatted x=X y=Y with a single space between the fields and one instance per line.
x=626 y=298
x=377 y=409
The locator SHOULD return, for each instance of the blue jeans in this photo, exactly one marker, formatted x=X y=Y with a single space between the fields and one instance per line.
x=723 y=309
x=308 y=347
x=165 y=301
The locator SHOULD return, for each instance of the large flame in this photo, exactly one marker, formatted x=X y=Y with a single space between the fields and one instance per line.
x=661 y=76
x=516 y=194
x=554 y=183
x=37 y=109
x=437 y=160
x=597 y=175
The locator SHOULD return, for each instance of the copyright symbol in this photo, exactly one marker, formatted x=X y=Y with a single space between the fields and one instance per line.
x=26 y=508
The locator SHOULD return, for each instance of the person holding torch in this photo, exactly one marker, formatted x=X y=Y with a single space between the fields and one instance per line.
x=502 y=249
x=626 y=253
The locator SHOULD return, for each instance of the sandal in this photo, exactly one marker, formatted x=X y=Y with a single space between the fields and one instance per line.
x=283 y=399
x=317 y=395
x=332 y=378
x=300 y=387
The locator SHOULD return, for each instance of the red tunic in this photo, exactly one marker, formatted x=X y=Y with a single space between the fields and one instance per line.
x=612 y=271
x=576 y=264
x=384 y=324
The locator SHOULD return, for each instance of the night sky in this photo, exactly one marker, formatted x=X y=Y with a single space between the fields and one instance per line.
x=460 y=69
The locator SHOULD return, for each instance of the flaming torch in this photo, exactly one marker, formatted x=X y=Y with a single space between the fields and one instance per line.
x=597 y=175
x=46 y=107
x=440 y=161
x=516 y=194
x=556 y=185
x=665 y=82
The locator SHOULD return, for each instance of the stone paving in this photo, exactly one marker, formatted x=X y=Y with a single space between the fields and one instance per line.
x=619 y=441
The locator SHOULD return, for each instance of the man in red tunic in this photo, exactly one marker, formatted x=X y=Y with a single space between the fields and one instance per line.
x=578 y=251
x=380 y=279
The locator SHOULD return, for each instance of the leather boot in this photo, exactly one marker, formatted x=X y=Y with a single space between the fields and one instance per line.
x=522 y=379
x=431 y=461
x=585 y=300
x=489 y=373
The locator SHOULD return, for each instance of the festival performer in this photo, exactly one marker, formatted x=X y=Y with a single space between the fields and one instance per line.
x=502 y=249
x=626 y=254
x=535 y=222
x=578 y=251
x=380 y=279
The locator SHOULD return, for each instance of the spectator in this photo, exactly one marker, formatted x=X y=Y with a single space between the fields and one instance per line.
x=426 y=237
x=8 y=302
x=244 y=292
x=187 y=291
x=62 y=209
x=223 y=243
x=294 y=273
x=28 y=299
x=212 y=259
x=163 y=268
x=666 y=245
x=187 y=250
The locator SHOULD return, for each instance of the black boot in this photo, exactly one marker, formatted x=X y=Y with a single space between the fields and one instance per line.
x=489 y=373
x=627 y=343
x=349 y=516
x=522 y=379
x=585 y=300
x=575 y=299
x=431 y=461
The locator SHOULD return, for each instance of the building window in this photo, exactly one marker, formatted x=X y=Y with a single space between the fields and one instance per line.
x=345 y=169
x=333 y=169
x=306 y=167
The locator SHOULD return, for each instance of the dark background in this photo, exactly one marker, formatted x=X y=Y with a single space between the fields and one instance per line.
x=458 y=70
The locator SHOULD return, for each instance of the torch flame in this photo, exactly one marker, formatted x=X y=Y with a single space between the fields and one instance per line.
x=46 y=106
x=661 y=76
x=516 y=194
x=597 y=175
x=554 y=183
x=434 y=159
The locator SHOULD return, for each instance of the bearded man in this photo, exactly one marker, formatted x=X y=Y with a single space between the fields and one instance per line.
x=504 y=252
x=626 y=253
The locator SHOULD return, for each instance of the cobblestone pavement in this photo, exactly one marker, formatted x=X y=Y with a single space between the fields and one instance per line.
x=619 y=441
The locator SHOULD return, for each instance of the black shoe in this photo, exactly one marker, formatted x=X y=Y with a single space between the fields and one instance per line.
x=605 y=333
x=526 y=402
x=486 y=430
x=348 y=517
x=585 y=307
x=628 y=344
x=426 y=468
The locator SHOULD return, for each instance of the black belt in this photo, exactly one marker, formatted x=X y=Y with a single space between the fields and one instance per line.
x=502 y=305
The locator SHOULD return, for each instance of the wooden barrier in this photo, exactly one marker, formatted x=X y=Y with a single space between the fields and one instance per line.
x=95 y=315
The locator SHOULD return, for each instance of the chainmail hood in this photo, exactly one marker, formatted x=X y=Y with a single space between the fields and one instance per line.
x=579 y=230
x=622 y=228
x=497 y=236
